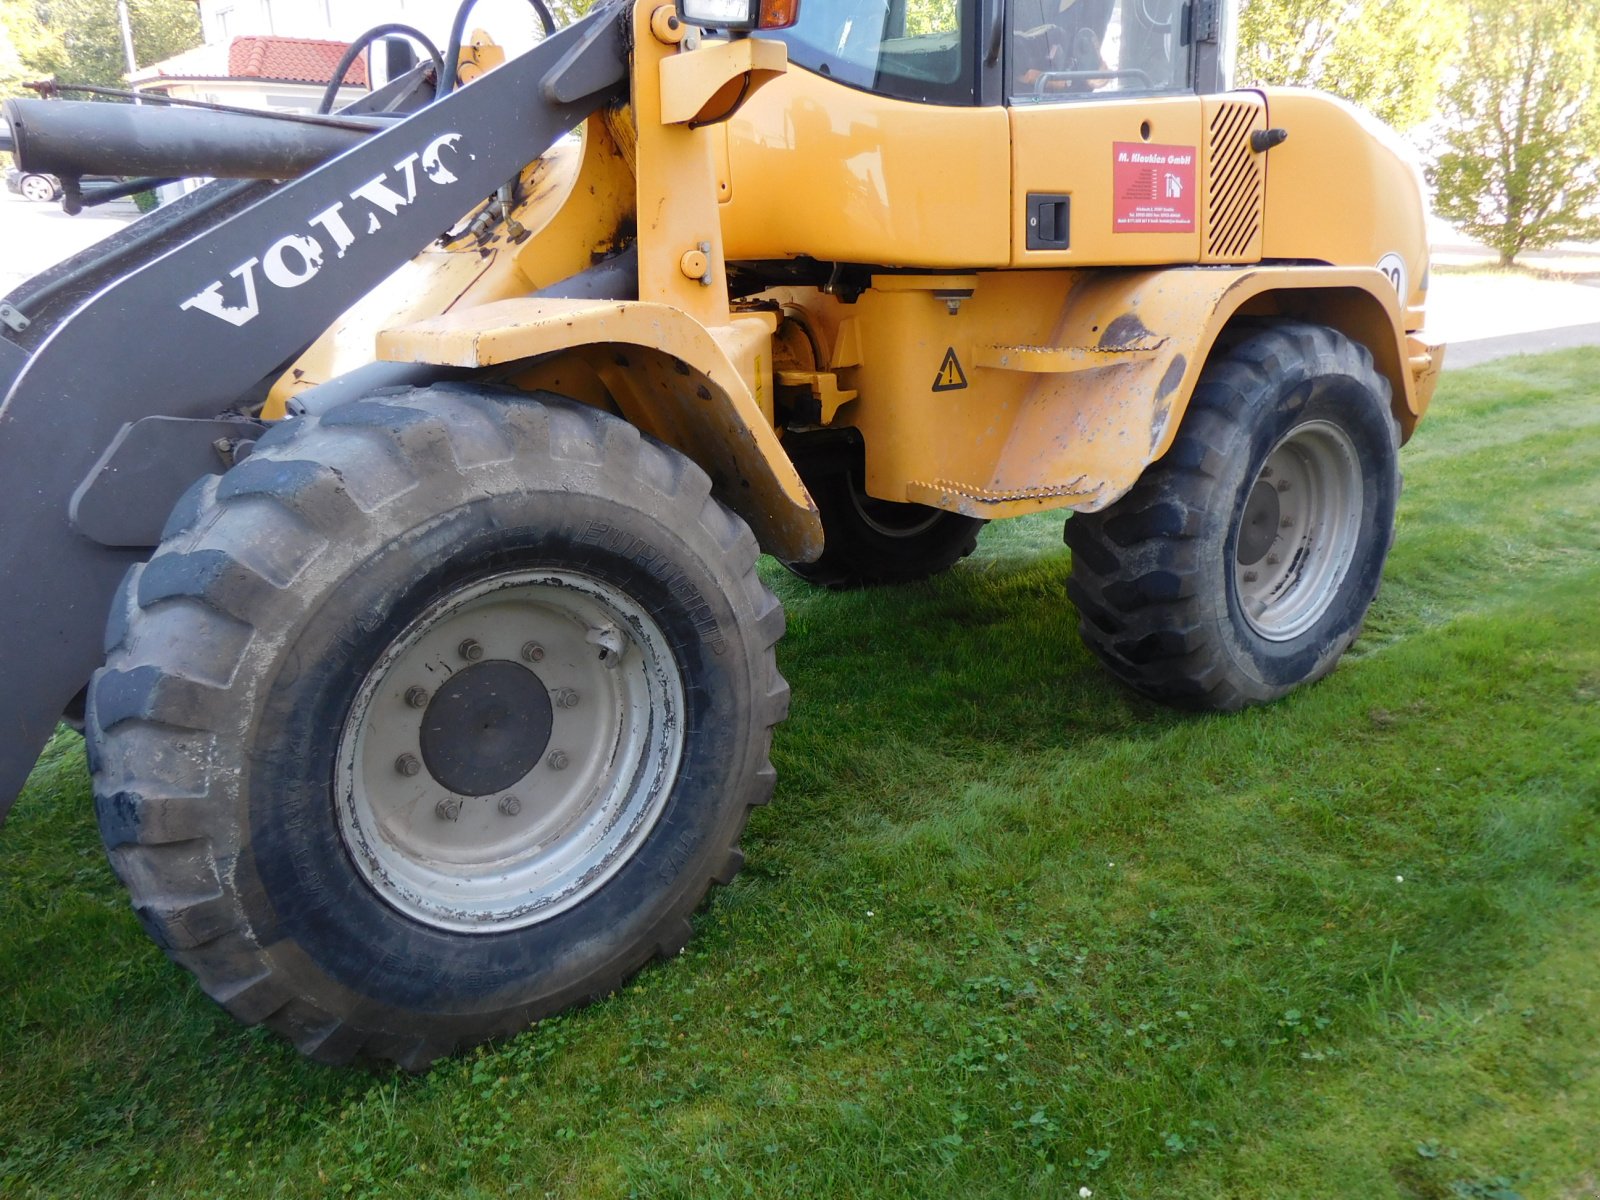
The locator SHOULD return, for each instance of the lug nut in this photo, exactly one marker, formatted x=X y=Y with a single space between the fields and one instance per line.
x=557 y=760
x=1283 y=485
x=417 y=697
x=1266 y=472
x=566 y=698
x=470 y=650
x=1286 y=523
x=510 y=805
x=1251 y=577
x=533 y=652
x=448 y=809
x=408 y=765
x=1273 y=560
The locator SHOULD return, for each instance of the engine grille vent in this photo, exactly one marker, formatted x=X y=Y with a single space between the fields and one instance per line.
x=1235 y=184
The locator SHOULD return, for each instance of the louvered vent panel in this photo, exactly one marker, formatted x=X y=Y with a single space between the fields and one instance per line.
x=1235 y=182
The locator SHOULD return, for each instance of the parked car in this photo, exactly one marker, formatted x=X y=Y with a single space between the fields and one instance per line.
x=32 y=185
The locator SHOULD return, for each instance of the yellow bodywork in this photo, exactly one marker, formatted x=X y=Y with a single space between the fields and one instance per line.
x=1070 y=382
x=984 y=376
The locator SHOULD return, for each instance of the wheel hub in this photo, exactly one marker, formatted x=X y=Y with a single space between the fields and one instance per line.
x=1299 y=530
x=1259 y=529
x=486 y=728
x=510 y=751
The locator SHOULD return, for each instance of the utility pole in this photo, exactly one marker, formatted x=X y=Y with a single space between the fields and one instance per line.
x=127 y=38
x=127 y=35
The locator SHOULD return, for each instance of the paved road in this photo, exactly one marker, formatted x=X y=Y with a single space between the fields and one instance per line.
x=36 y=236
x=1481 y=317
x=1472 y=354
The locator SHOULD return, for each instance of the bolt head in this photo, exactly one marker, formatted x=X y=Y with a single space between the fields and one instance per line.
x=1266 y=472
x=510 y=805
x=1251 y=577
x=1273 y=560
x=566 y=698
x=1283 y=485
x=533 y=652
x=558 y=760
x=1286 y=523
x=417 y=697
x=470 y=650
x=448 y=809
x=408 y=765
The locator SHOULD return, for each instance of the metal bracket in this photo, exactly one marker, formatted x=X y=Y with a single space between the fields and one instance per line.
x=12 y=318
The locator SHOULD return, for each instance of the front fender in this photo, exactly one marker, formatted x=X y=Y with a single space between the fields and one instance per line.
x=672 y=377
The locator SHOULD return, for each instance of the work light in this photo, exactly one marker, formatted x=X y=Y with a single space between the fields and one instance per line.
x=740 y=16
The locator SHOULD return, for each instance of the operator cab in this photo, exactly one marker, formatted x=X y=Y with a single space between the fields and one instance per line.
x=950 y=51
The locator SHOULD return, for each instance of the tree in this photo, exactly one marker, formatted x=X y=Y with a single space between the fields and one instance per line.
x=80 y=41
x=1519 y=153
x=25 y=45
x=1387 y=55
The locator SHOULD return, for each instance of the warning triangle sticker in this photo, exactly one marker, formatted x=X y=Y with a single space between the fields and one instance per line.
x=951 y=377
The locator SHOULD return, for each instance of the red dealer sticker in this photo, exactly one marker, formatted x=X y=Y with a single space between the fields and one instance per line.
x=1155 y=188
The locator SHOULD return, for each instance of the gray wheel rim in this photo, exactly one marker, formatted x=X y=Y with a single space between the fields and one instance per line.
x=36 y=188
x=891 y=520
x=478 y=852
x=1299 y=531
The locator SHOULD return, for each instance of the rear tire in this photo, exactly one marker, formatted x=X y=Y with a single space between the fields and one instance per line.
x=866 y=541
x=438 y=714
x=1242 y=564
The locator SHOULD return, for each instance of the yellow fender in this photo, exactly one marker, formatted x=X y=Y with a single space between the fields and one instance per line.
x=669 y=375
x=1105 y=395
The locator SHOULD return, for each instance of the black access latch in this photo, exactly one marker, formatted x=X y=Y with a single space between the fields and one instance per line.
x=1049 y=221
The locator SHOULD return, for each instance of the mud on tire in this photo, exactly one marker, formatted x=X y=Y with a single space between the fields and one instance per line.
x=270 y=656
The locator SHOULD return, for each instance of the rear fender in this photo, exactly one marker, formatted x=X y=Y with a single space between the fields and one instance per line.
x=705 y=392
x=1109 y=393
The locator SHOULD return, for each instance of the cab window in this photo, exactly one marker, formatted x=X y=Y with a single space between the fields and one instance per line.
x=921 y=50
x=1072 y=49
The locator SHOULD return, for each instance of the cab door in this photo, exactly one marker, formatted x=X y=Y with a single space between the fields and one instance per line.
x=1106 y=133
x=886 y=143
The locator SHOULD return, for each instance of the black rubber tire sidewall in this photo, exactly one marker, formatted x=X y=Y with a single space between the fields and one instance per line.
x=296 y=878
x=1153 y=574
x=855 y=553
x=1278 y=667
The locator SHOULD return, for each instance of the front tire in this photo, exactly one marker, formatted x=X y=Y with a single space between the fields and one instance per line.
x=1242 y=564
x=437 y=715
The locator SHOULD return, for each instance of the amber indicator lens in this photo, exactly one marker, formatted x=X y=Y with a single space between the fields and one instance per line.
x=778 y=14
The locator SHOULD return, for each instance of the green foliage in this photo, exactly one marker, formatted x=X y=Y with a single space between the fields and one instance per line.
x=566 y=12
x=25 y=46
x=1519 y=161
x=80 y=41
x=1006 y=930
x=1388 y=56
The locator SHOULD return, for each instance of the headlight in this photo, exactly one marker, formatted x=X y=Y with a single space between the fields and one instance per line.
x=740 y=16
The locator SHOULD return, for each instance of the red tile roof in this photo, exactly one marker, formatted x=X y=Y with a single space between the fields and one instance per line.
x=296 y=60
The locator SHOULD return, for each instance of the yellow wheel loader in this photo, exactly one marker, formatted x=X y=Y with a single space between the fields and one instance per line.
x=387 y=509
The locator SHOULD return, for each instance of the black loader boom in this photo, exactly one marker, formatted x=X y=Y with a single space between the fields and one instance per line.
x=125 y=368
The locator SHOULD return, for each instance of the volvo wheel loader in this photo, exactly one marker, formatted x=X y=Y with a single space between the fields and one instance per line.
x=387 y=509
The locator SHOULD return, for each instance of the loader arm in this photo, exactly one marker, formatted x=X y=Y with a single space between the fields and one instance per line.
x=187 y=330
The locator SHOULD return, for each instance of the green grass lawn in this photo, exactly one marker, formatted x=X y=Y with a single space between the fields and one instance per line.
x=1006 y=930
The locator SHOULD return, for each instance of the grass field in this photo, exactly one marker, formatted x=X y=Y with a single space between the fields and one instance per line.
x=1006 y=931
